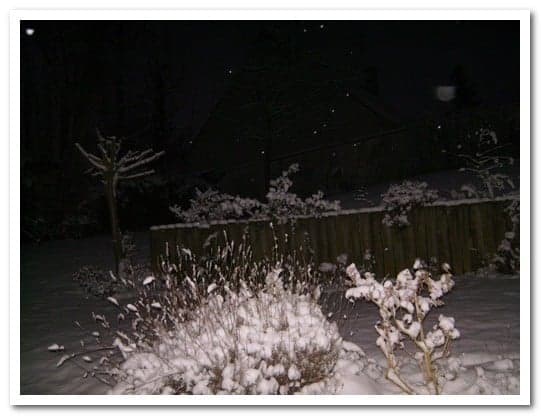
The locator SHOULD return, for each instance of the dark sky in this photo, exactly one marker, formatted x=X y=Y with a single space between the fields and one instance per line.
x=415 y=56
x=410 y=58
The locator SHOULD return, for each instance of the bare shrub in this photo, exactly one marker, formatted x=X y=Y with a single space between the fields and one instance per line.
x=485 y=161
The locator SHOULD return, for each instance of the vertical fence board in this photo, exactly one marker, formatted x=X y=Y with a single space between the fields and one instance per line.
x=418 y=228
x=376 y=241
x=477 y=233
x=501 y=222
x=467 y=249
x=396 y=249
x=455 y=255
x=432 y=232
x=342 y=236
x=254 y=236
x=444 y=253
x=332 y=238
x=359 y=234
x=389 y=265
x=489 y=232
x=314 y=238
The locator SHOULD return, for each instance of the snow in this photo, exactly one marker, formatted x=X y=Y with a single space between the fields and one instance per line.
x=486 y=309
x=484 y=360
x=213 y=207
x=446 y=182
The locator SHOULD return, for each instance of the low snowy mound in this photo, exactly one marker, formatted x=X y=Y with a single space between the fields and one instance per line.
x=267 y=342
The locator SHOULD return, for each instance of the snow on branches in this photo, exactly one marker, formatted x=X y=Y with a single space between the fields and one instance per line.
x=402 y=198
x=282 y=204
x=403 y=306
x=212 y=205
x=111 y=167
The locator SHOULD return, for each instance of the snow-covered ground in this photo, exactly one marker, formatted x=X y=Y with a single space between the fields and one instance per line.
x=50 y=303
x=486 y=310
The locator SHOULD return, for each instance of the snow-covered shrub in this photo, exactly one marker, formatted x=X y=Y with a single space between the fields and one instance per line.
x=403 y=306
x=95 y=281
x=282 y=205
x=507 y=258
x=212 y=205
x=401 y=198
x=486 y=163
x=280 y=201
x=271 y=341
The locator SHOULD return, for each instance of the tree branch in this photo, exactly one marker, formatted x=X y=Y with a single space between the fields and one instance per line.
x=91 y=158
x=141 y=162
x=136 y=175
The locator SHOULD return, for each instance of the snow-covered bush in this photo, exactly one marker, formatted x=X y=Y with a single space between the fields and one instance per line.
x=401 y=198
x=507 y=258
x=403 y=306
x=271 y=341
x=282 y=205
x=212 y=205
x=486 y=162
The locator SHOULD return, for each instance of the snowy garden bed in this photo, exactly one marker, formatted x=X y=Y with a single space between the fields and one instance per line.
x=485 y=360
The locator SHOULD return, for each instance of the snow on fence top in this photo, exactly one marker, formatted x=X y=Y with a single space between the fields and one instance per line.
x=449 y=203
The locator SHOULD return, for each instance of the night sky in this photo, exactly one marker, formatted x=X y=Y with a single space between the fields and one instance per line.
x=158 y=83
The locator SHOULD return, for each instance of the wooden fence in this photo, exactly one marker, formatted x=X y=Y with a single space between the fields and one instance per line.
x=463 y=233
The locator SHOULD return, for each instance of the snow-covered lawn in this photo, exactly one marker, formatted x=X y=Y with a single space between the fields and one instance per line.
x=485 y=358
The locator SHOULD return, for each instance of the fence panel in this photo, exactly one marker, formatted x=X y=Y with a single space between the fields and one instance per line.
x=463 y=233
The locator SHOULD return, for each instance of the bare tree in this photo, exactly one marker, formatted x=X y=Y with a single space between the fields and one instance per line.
x=112 y=168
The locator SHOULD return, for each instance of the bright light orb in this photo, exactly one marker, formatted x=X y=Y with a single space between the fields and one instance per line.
x=29 y=31
x=445 y=93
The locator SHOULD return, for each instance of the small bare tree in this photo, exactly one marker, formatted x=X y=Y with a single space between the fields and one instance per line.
x=112 y=168
x=486 y=163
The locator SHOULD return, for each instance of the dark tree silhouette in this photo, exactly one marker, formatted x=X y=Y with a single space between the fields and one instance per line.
x=466 y=94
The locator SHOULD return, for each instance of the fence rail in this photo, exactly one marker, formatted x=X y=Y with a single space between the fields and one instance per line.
x=463 y=233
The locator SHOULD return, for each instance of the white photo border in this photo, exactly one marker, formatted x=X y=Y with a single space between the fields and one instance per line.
x=269 y=14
